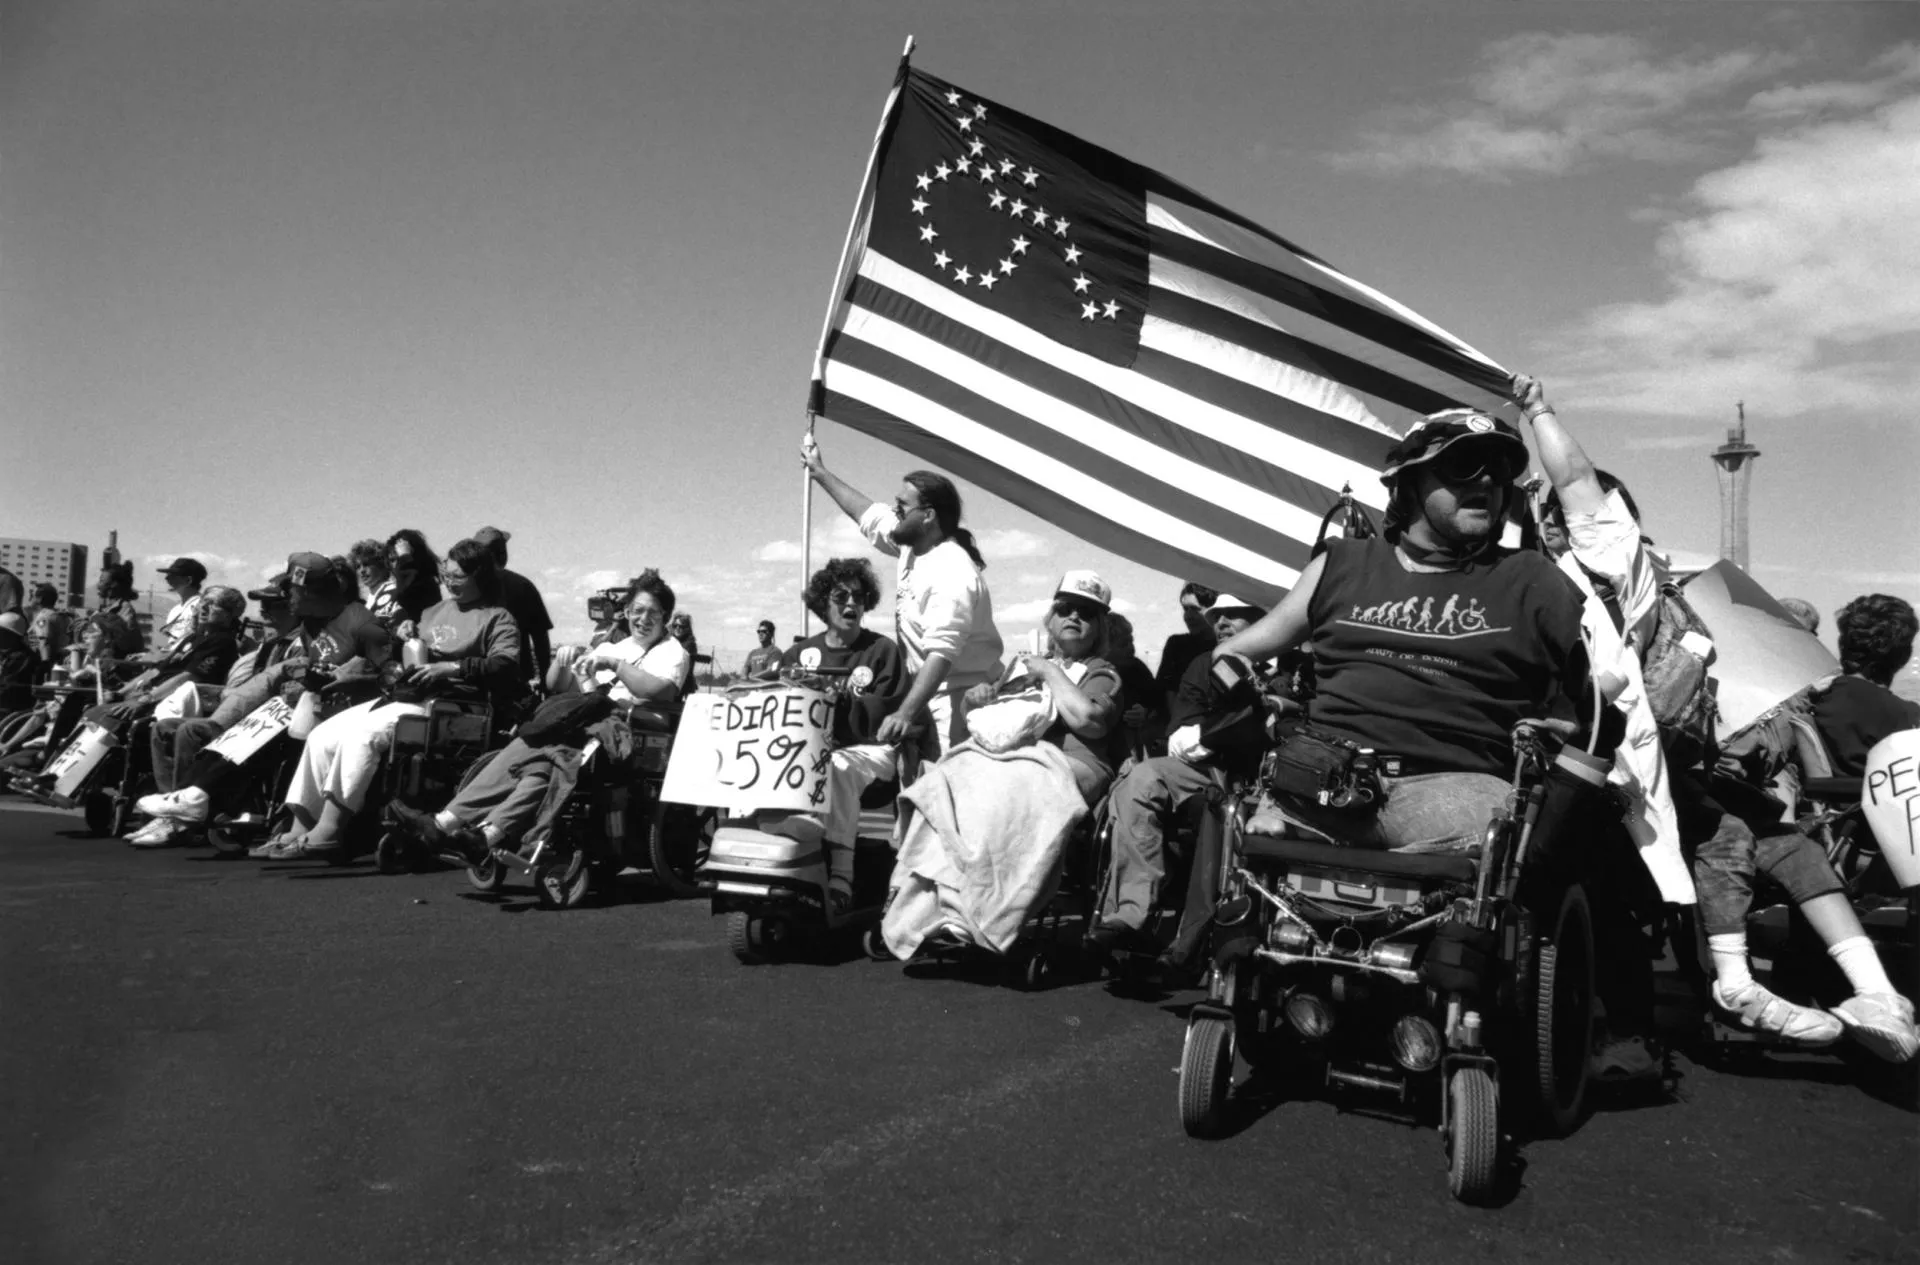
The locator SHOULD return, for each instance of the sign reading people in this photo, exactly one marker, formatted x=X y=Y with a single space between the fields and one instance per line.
x=1890 y=797
x=758 y=748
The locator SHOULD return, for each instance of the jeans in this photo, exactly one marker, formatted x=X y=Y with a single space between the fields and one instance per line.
x=1423 y=812
x=1727 y=850
x=1143 y=803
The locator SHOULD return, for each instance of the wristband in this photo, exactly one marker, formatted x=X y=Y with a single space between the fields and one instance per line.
x=1533 y=413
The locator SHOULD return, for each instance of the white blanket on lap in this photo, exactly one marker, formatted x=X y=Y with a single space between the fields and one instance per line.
x=983 y=848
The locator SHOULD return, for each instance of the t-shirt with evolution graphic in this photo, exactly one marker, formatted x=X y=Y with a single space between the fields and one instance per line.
x=876 y=680
x=1437 y=667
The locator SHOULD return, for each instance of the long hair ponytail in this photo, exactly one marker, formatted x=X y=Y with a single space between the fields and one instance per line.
x=938 y=494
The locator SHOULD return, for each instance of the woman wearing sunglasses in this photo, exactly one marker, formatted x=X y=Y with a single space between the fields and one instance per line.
x=983 y=847
x=1433 y=642
x=471 y=640
x=841 y=593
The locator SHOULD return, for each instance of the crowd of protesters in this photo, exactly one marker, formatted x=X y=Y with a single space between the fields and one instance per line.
x=1043 y=736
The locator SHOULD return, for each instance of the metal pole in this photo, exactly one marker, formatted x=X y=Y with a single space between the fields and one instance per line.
x=806 y=533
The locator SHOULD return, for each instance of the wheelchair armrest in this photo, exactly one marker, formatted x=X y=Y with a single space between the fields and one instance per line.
x=1833 y=790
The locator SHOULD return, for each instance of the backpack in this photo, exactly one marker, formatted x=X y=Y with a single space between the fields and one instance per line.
x=1678 y=686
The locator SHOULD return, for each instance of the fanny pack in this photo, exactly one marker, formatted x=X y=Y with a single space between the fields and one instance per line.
x=1313 y=764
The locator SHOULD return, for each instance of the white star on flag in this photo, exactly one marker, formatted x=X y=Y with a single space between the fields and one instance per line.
x=979 y=111
x=1018 y=207
x=1029 y=177
x=1020 y=245
x=962 y=275
x=986 y=173
x=1060 y=227
x=966 y=122
x=963 y=165
x=1007 y=165
x=1081 y=282
x=1088 y=311
x=925 y=182
x=1113 y=309
x=997 y=201
x=974 y=147
x=919 y=206
x=1007 y=266
x=941 y=259
x=927 y=233
x=942 y=171
x=988 y=281
x=1040 y=216
x=953 y=98
x=1073 y=254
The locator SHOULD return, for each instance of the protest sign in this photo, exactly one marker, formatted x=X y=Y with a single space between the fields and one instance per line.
x=762 y=748
x=259 y=727
x=1890 y=797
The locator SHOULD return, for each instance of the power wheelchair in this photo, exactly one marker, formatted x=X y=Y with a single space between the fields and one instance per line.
x=1458 y=986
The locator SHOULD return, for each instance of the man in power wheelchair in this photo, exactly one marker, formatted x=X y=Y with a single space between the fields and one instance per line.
x=603 y=730
x=1397 y=912
x=325 y=652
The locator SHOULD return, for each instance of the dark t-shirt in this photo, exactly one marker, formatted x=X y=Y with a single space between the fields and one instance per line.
x=760 y=659
x=206 y=654
x=1100 y=680
x=1175 y=657
x=1853 y=714
x=876 y=680
x=17 y=670
x=529 y=611
x=1437 y=667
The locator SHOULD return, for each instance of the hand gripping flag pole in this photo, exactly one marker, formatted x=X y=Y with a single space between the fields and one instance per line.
x=856 y=237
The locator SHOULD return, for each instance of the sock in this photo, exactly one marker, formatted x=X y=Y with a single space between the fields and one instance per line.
x=1858 y=959
x=1730 y=960
x=446 y=820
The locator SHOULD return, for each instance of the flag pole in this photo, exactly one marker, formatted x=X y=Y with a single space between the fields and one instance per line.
x=856 y=233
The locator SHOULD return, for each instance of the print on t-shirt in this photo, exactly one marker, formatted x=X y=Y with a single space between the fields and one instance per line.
x=1457 y=618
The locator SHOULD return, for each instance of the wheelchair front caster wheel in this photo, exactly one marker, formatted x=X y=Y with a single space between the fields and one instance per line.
x=1473 y=1135
x=1206 y=1076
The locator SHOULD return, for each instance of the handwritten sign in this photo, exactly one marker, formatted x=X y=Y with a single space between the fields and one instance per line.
x=80 y=758
x=762 y=748
x=1890 y=798
x=259 y=727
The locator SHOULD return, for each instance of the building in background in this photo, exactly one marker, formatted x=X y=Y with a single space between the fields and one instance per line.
x=57 y=562
x=1734 y=461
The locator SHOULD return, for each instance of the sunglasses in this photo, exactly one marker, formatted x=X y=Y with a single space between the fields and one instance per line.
x=902 y=510
x=842 y=597
x=1464 y=463
x=1084 y=611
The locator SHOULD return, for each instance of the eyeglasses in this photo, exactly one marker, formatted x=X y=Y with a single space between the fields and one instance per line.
x=903 y=510
x=1084 y=611
x=644 y=614
x=1464 y=463
x=842 y=597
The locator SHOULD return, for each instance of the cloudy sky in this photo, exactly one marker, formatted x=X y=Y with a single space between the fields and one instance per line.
x=277 y=276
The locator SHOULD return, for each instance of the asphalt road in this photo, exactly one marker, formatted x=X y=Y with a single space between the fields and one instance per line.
x=216 y=1061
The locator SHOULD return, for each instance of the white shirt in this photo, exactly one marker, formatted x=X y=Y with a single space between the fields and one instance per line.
x=666 y=659
x=1608 y=543
x=179 y=622
x=941 y=605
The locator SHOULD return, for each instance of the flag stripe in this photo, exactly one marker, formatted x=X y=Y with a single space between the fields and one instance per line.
x=1231 y=233
x=1360 y=323
x=1259 y=490
x=1275 y=344
x=891 y=352
x=1066 y=489
x=1277 y=446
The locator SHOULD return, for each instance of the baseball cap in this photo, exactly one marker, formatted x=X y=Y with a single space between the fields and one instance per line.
x=318 y=574
x=275 y=590
x=1437 y=432
x=1085 y=584
x=1228 y=602
x=487 y=535
x=192 y=568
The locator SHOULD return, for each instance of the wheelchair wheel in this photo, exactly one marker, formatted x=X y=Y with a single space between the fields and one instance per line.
x=104 y=814
x=562 y=884
x=1563 y=1015
x=677 y=843
x=1029 y=968
x=489 y=875
x=874 y=945
x=1473 y=1135
x=755 y=939
x=390 y=854
x=1206 y=1076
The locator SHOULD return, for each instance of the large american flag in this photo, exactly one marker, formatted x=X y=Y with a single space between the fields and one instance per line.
x=1115 y=353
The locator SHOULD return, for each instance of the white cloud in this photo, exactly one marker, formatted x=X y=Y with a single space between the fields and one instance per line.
x=1544 y=104
x=1793 y=278
x=839 y=538
x=1010 y=542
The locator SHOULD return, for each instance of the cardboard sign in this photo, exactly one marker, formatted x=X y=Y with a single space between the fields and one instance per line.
x=259 y=727
x=80 y=758
x=757 y=748
x=1890 y=798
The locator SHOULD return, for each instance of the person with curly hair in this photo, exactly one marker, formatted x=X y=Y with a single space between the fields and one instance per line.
x=1859 y=709
x=841 y=593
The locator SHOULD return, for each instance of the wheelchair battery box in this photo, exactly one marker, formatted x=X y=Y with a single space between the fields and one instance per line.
x=650 y=750
x=457 y=728
x=1355 y=889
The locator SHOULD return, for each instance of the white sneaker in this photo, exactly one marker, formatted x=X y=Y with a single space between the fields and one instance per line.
x=1883 y=1022
x=157 y=833
x=1755 y=1009
x=186 y=804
